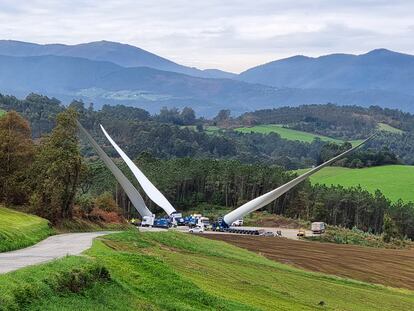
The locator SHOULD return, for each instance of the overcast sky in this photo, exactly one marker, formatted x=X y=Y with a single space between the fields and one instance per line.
x=226 y=34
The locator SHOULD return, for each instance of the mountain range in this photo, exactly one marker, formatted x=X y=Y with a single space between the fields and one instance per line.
x=108 y=73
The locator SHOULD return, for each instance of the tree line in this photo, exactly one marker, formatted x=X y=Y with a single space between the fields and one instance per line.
x=55 y=181
x=189 y=183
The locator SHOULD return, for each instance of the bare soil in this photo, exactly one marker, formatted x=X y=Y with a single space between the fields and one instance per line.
x=389 y=267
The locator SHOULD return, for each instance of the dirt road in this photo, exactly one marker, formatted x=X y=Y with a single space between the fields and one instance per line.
x=52 y=248
x=382 y=266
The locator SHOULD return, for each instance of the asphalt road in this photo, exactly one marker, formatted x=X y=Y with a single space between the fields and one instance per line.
x=51 y=248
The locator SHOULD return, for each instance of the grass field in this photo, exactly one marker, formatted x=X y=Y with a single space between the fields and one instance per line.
x=360 y=263
x=289 y=134
x=2 y=112
x=394 y=181
x=175 y=271
x=389 y=128
x=211 y=129
x=18 y=230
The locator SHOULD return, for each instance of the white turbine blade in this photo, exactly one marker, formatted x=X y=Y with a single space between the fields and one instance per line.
x=132 y=193
x=270 y=196
x=153 y=193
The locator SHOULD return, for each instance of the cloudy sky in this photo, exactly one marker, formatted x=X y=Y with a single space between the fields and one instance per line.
x=226 y=34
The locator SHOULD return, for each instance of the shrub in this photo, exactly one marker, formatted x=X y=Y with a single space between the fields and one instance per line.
x=106 y=203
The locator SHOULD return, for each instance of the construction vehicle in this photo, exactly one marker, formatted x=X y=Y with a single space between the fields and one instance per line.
x=148 y=221
x=318 y=227
x=162 y=223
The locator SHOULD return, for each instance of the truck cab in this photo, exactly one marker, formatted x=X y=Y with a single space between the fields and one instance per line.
x=148 y=221
x=318 y=227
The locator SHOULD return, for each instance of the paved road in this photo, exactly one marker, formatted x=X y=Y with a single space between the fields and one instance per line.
x=51 y=248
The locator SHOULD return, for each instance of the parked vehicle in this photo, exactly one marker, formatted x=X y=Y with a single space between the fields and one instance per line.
x=318 y=227
x=238 y=223
x=162 y=223
x=148 y=221
x=301 y=233
x=196 y=229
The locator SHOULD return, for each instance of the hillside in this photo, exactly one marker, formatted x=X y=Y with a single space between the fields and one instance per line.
x=173 y=271
x=20 y=230
x=394 y=181
x=288 y=133
x=124 y=55
x=112 y=73
x=377 y=69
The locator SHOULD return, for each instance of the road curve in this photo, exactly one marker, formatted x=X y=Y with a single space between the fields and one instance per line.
x=54 y=247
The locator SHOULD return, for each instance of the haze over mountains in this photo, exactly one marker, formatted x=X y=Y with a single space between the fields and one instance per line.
x=110 y=72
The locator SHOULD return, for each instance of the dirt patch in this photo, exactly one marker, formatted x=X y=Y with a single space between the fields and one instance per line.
x=275 y=221
x=389 y=267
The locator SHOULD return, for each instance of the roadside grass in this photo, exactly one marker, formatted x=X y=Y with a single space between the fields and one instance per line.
x=176 y=271
x=289 y=134
x=394 y=181
x=66 y=277
x=19 y=230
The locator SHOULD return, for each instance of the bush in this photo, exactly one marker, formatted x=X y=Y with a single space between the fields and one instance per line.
x=106 y=203
x=355 y=236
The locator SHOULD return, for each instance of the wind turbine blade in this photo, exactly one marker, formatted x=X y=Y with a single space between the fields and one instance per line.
x=153 y=193
x=270 y=196
x=129 y=189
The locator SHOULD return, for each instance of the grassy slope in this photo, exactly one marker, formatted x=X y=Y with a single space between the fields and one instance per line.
x=173 y=271
x=289 y=134
x=394 y=181
x=2 y=112
x=18 y=230
x=388 y=128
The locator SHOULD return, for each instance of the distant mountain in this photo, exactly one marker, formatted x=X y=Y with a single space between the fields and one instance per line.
x=121 y=54
x=107 y=83
x=380 y=78
x=379 y=69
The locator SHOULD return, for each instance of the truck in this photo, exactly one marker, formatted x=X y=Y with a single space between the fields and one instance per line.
x=147 y=221
x=318 y=227
x=162 y=223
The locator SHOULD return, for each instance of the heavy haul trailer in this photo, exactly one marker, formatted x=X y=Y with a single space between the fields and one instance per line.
x=224 y=223
x=174 y=218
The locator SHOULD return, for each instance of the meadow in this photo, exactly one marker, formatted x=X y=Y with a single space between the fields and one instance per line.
x=176 y=271
x=394 y=181
x=289 y=134
x=18 y=230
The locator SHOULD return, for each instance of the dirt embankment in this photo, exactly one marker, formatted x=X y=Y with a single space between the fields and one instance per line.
x=382 y=266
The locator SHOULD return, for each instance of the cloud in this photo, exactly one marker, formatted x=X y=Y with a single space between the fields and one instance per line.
x=232 y=34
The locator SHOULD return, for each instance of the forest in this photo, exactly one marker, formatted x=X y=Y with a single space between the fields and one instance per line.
x=173 y=133
x=48 y=168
